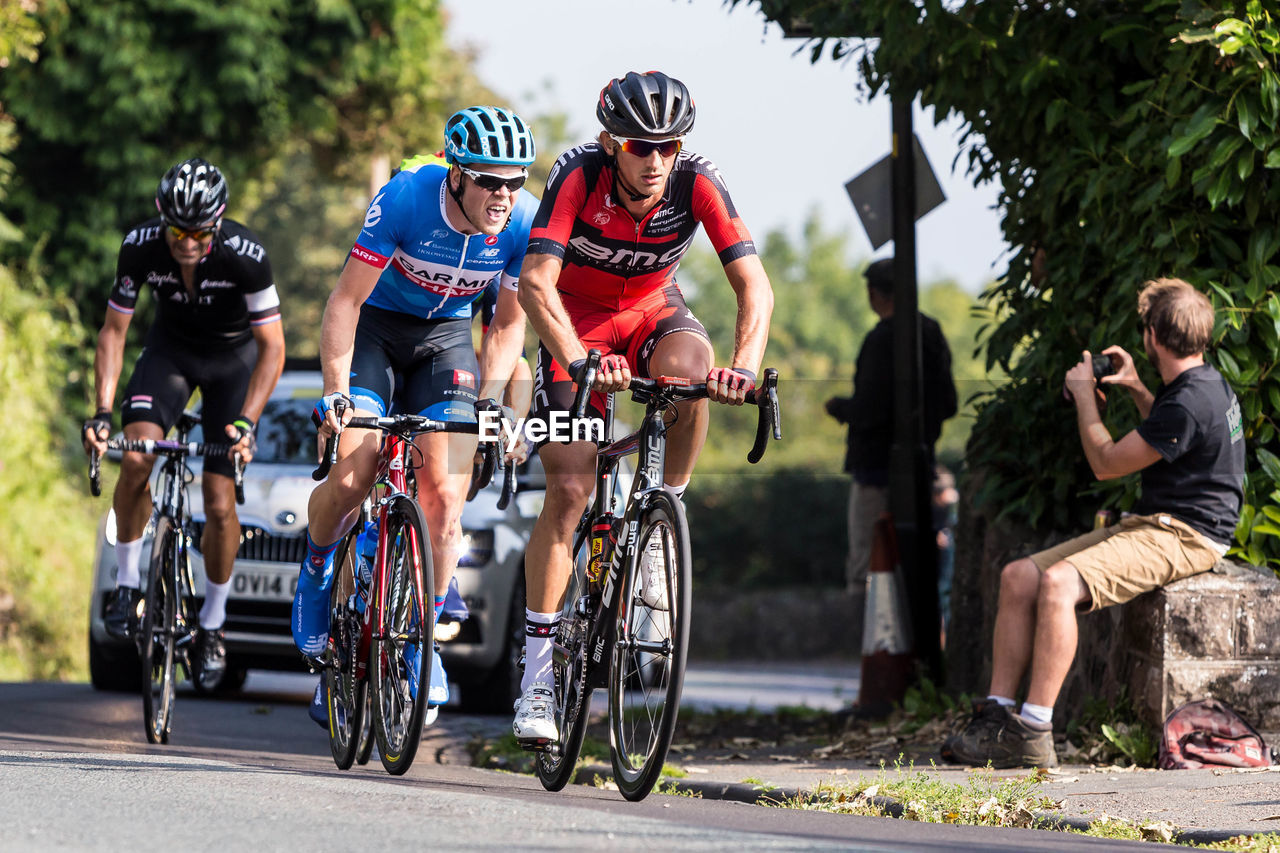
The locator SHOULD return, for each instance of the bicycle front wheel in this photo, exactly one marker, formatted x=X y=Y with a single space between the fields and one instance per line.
x=646 y=673
x=344 y=677
x=157 y=636
x=404 y=622
x=558 y=761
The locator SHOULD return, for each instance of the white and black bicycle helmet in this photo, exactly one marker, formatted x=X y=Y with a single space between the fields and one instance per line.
x=488 y=135
x=192 y=193
x=646 y=106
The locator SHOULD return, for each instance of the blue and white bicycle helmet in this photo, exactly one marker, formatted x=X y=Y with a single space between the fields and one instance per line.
x=488 y=135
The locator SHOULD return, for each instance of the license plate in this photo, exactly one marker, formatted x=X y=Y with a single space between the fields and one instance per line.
x=264 y=586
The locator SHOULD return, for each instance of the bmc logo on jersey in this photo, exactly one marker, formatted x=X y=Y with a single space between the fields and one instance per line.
x=464 y=378
x=627 y=257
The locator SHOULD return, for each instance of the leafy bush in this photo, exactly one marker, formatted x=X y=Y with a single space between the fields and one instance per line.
x=1130 y=140
x=783 y=526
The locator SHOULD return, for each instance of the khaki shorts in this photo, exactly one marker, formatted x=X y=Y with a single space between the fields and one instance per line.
x=1139 y=554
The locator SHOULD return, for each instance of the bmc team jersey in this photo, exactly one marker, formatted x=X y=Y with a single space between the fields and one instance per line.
x=233 y=289
x=429 y=269
x=610 y=258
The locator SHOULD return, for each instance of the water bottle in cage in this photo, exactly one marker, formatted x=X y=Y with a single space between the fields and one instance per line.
x=366 y=553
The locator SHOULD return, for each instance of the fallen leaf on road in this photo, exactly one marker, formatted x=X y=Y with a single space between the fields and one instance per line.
x=1268 y=817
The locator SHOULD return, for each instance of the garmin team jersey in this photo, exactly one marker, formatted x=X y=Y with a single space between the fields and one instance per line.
x=610 y=258
x=429 y=269
x=232 y=288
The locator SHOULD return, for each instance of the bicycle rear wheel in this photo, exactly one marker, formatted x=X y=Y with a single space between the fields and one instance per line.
x=646 y=673
x=157 y=636
x=556 y=764
x=400 y=654
x=345 y=682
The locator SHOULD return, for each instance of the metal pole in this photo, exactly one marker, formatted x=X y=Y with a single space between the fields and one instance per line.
x=910 y=474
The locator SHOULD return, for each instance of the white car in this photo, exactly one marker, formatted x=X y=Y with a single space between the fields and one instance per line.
x=481 y=653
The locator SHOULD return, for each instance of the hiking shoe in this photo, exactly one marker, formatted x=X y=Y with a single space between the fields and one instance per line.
x=310 y=621
x=120 y=618
x=210 y=657
x=653 y=575
x=535 y=722
x=997 y=736
x=318 y=710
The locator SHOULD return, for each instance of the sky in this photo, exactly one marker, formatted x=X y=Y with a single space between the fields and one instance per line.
x=785 y=134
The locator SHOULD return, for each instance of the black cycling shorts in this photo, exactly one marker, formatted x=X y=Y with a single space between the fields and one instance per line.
x=403 y=363
x=165 y=377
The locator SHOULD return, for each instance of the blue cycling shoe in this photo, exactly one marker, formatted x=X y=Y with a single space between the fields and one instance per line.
x=310 y=620
x=317 y=710
x=410 y=656
x=438 y=694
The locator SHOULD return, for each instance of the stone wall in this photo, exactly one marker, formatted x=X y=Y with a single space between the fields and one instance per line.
x=1216 y=634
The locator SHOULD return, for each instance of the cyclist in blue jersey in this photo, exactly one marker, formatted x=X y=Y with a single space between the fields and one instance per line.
x=397 y=327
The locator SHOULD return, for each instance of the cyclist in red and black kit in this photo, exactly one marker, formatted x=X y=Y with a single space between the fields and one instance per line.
x=217 y=328
x=617 y=217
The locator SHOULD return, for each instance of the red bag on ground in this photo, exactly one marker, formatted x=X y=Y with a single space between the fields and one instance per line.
x=1210 y=732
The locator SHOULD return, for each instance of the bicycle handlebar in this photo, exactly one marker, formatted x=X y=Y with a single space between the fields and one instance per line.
x=165 y=447
x=764 y=396
x=404 y=426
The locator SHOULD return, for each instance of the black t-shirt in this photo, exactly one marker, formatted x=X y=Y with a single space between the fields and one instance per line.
x=233 y=287
x=1196 y=427
x=869 y=412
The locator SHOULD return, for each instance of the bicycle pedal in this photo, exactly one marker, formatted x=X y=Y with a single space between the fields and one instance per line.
x=535 y=744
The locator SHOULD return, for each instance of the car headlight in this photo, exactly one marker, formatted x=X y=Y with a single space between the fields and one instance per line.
x=477 y=548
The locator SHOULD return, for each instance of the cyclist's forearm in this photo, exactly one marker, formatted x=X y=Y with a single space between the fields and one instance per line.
x=500 y=348
x=337 y=341
x=755 y=308
x=546 y=311
x=108 y=359
x=266 y=372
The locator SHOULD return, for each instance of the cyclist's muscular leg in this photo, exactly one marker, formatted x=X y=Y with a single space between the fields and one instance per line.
x=132 y=497
x=684 y=354
x=443 y=479
x=335 y=501
x=570 y=470
x=221 y=537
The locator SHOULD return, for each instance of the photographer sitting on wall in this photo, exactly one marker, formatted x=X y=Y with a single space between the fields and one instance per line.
x=1190 y=450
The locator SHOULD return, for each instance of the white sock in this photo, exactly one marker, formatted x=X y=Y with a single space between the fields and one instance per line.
x=1002 y=701
x=539 y=633
x=128 y=556
x=1039 y=713
x=214 y=612
x=678 y=491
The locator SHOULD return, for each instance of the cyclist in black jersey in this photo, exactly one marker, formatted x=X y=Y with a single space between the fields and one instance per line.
x=217 y=328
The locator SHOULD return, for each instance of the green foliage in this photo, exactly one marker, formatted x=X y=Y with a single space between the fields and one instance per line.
x=1110 y=732
x=1130 y=140
x=293 y=100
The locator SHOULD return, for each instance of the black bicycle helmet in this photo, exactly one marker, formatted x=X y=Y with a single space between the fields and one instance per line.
x=191 y=194
x=646 y=106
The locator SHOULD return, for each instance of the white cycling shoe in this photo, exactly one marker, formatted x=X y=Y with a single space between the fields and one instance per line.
x=535 y=721
x=653 y=576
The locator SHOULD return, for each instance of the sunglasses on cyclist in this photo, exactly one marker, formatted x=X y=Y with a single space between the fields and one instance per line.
x=645 y=147
x=200 y=234
x=492 y=183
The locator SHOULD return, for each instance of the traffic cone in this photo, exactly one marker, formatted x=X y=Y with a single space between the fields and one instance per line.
x=887 y=657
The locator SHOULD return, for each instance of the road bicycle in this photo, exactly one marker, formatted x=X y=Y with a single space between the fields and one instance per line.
x=608 y=636
x=377 y=665
x=169 y=615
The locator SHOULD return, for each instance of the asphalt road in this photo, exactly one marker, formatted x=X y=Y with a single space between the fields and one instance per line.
x=254 y=772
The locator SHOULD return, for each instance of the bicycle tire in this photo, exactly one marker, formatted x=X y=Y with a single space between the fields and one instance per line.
x=646 y=670
x=344 y=686
x=406 y=620
x=157 y=636
x=366 y=732
x=555 y=768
